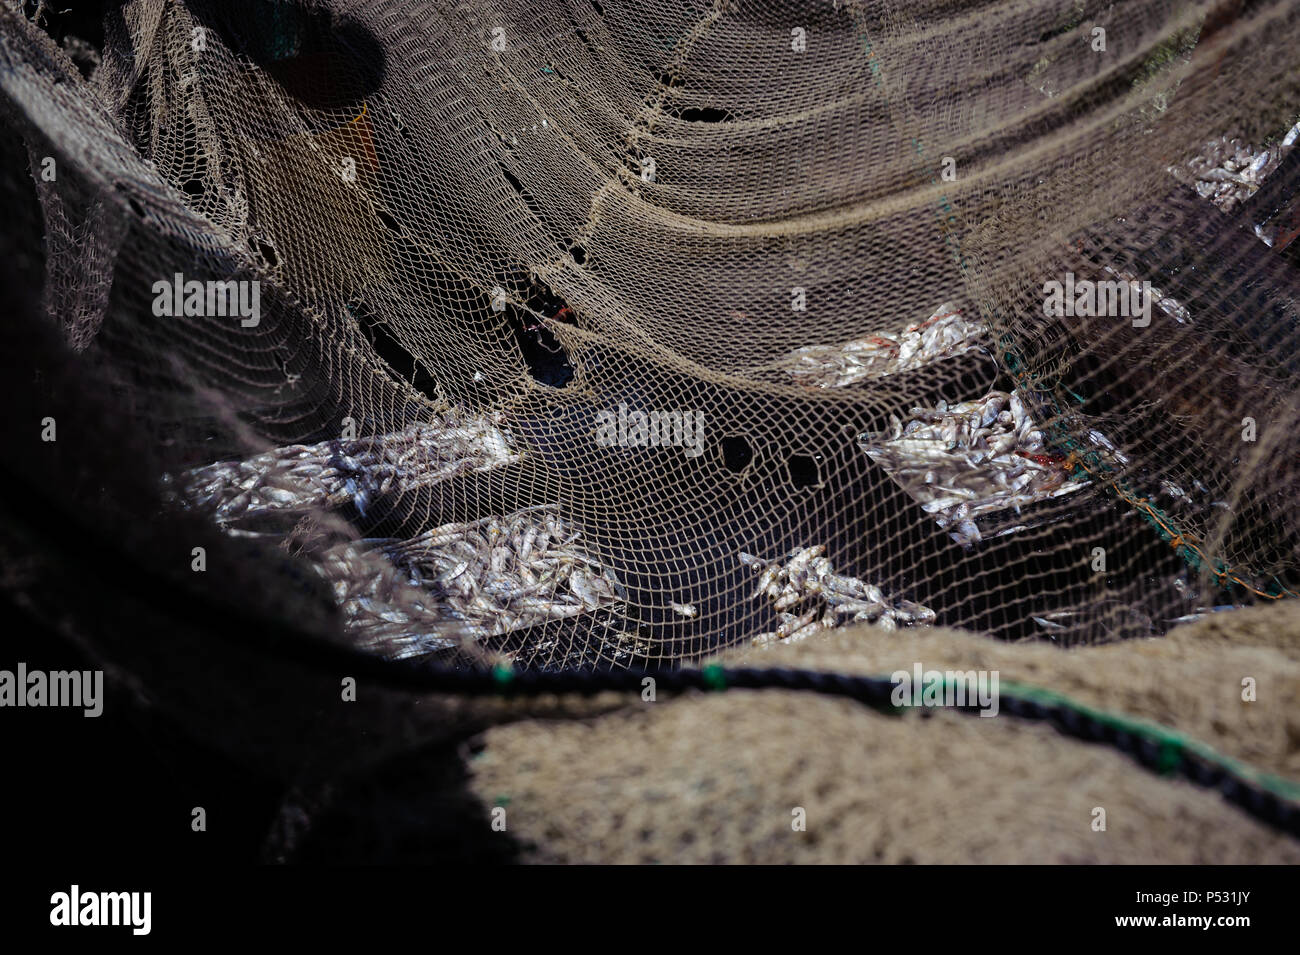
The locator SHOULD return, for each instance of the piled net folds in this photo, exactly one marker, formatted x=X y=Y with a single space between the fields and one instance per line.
x=612 y=334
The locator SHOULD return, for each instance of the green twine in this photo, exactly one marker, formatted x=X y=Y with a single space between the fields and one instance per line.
x=1174 y=746
x=715 y=677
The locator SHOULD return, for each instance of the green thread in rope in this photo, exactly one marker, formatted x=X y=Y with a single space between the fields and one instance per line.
x=1173 y=745
x=715 y=677
x=503 y=673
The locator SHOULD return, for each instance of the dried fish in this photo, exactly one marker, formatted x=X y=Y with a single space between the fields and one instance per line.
x=808 y=576
x=1227 y=171
x=946 y=333
x=331 y=473
x=462 y=582
x=974 y=458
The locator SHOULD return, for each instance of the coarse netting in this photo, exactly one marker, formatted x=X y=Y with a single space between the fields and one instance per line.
x=615 y=333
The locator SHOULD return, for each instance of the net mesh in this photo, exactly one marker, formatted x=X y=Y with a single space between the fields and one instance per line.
x=612 y=334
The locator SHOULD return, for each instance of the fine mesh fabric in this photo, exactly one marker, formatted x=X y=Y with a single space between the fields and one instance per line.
x=488 y=237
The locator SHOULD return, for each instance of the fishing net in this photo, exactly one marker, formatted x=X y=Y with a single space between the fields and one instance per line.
x=583 y=334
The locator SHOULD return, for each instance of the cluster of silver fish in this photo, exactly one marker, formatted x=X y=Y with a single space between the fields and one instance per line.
x=1227 y=171
x=972 y=458
x=944 y=334
x=335 y=472
x=464 y=582
x=809 y=596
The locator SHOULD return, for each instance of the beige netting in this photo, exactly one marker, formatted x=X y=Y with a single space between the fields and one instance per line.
x=615 y=333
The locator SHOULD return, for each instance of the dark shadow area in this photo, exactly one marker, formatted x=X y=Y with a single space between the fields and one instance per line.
x=543 y=354
x=401 y=363
x=802 y=470
x=75 y=25
x=121 y=785
x=700 y=114
x=322 y=60
x=736 y=453
x=414 y=809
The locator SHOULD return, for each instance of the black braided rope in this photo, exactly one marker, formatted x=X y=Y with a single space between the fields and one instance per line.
x=1260 y=803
